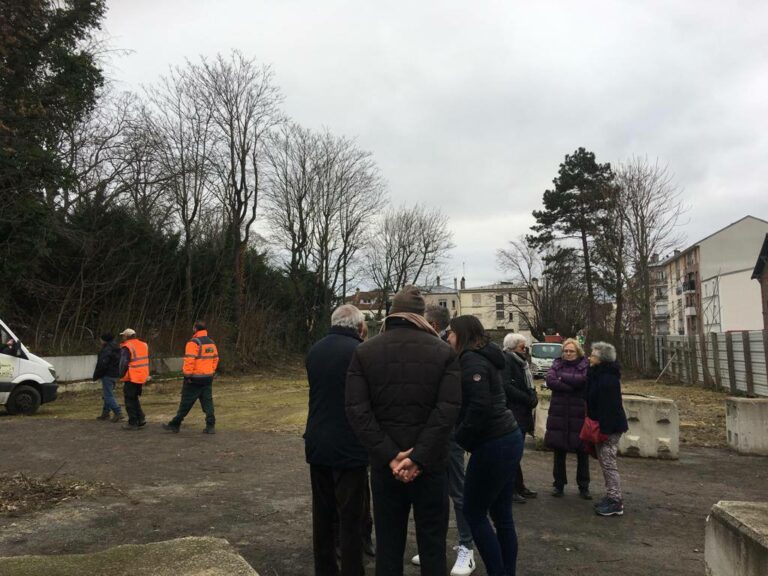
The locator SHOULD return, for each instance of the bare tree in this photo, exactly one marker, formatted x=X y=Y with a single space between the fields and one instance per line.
x=407 y=245
x=323 y=192
x=245 y=106
x=94 y=151
x=555 y=297
x=651 y=208
x=182 y=129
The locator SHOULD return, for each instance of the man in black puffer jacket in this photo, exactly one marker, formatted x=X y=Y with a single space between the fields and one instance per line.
x=403 y=397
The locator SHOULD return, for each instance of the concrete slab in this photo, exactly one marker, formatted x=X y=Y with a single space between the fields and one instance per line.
x=736 y=540
x=189 y=556
x=746 y=424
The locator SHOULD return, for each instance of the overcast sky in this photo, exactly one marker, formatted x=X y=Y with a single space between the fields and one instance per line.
x=471 y=106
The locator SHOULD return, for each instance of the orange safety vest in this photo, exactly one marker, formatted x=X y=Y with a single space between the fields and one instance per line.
x=201 y=357
x=138 y=366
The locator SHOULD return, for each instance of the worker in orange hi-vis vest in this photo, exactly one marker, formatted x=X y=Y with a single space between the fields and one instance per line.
x=201 y=357
x=134 y=372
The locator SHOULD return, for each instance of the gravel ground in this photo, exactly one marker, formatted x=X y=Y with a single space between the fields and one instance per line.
x=252 y=488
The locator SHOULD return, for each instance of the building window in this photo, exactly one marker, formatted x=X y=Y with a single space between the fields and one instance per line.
x=476 y=299
x=511 y=316
x=443 y=303
x=500 y=307
x=453 y=304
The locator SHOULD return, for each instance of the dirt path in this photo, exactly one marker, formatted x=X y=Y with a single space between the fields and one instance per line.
x=252 y=488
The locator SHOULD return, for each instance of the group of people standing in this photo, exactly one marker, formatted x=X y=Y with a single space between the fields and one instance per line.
x=404 y=407
x=129 y=363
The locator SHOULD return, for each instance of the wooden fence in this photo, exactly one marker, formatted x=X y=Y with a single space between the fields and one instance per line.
x=733 y=361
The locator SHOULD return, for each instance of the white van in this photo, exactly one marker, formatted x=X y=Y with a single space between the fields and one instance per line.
x=26 y=380
x=543 y=354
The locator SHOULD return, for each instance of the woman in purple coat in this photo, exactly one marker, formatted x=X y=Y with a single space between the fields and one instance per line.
x=567 y=379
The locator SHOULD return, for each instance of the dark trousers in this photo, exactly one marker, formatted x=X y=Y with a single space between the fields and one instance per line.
x=519 y=480
x=131 y=393
x=488 y=489
x=189 y=395
x=582 y=470
x=367 y=516
x=392 y=502
x=338 y=493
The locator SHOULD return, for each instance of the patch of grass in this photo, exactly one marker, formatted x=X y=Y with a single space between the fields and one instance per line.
x=261 y=402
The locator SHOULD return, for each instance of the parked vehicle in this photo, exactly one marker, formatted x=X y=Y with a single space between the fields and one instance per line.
x=26 y=380
x=542 y=356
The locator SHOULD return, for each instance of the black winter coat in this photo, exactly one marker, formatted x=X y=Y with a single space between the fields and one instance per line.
x=404 y=391
x=521 y=400
x=604 y=397
x=107 y=361
x=328 y=438
x=484 y=414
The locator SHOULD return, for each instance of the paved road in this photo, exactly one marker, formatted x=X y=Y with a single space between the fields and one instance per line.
x=253 y=490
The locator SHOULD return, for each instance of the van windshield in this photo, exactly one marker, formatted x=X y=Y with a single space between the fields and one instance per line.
x=547 y=350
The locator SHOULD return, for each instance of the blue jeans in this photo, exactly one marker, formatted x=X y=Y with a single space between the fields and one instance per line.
x=488 y=488
x=108 y=393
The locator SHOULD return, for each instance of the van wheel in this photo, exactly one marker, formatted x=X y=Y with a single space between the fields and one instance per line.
x=24 y=400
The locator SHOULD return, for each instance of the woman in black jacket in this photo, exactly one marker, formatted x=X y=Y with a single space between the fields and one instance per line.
x=604 y=405
x=521 y=399
x=488 y=430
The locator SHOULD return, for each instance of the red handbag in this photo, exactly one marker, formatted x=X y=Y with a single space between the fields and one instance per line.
x=590 y=432
x=590 y=435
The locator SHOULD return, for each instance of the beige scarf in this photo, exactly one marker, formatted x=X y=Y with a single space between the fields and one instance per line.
x=416 y=319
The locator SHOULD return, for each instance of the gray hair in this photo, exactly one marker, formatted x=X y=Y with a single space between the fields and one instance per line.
x=605 y=352
x=513 y=339
x=438 y=315
x=347 y=316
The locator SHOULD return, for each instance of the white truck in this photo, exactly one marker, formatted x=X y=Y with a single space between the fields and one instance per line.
x=26 y=380
x=543 y=354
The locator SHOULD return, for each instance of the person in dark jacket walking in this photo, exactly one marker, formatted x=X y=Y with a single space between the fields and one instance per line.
x=521 y=399
x=488 y=430
x=567 y=379
x=604 y=405
x=402 y=398
x=108 y=371
x=337 y=461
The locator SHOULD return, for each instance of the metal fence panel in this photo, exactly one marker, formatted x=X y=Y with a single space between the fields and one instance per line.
x=682 y=362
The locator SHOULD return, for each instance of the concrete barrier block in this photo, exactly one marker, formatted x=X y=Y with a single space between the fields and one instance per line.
x=736 y=539
x=654 y=428
x=75 y=368
x=746 y=425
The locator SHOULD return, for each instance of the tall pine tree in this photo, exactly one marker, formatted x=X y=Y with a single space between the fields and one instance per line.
x=572 y=211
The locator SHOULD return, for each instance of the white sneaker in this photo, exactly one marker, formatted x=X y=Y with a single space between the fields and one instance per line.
x=465 y=561
x=415 y=560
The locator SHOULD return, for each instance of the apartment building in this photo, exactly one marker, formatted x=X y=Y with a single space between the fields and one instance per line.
x=708 y=284
x=660 y=289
